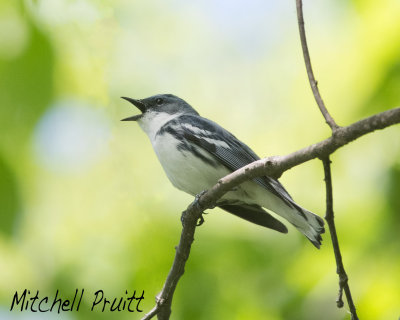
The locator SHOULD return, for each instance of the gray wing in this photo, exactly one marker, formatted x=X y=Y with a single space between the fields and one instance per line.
x=230 y=151
x=255 y=214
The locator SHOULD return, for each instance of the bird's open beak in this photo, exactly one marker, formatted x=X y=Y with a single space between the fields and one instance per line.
x=138 y=104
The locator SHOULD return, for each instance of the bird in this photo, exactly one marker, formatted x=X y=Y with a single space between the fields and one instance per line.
x=196 y=152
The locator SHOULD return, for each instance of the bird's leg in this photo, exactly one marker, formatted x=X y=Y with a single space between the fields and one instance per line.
x=197 y=198
x=197 y=203
x=199 y=223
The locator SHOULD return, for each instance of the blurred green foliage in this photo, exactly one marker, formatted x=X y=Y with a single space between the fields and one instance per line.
x=27 y=86
x=85 y=204
x=10 y=205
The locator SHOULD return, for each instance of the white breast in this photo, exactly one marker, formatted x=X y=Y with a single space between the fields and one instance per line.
x=186 y=171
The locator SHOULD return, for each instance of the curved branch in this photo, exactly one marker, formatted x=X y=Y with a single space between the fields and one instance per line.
x=271 y=166
x=329 y=217
x=276 y=165
x=164 y=298
x=313 y=83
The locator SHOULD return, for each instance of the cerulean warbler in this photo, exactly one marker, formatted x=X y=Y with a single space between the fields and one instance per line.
x=196 y=152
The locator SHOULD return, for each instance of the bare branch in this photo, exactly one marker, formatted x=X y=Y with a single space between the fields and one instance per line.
x=151 y=313
x=271 y=166
x=313 y=83
x=164 y=299
x=276 y=165
x=329 y=217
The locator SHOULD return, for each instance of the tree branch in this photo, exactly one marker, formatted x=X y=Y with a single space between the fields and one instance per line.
x=271 y=166
x=276 y=165
x=189 y=220
x=343 y=279
x=313 y=83
x=329 y=217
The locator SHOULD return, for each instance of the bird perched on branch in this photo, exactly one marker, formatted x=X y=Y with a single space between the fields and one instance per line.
x=196 y=152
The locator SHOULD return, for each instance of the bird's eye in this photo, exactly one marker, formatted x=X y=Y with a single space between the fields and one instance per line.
x=159 y=101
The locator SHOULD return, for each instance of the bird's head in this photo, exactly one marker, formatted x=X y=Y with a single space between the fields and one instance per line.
x=160 y=104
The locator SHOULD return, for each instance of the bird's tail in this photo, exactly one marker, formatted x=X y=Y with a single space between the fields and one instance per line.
x=308 y=223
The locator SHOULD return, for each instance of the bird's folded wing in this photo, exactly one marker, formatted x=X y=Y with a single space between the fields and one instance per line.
x=255 y=214
x=230 y=151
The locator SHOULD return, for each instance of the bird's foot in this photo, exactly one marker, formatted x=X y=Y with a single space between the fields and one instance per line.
x=201 y=219
x=199 y=222
x=197 y=200
x=197 y=197
x=196 y=203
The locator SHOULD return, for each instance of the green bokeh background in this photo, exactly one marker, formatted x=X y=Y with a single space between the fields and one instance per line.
x=84 y=202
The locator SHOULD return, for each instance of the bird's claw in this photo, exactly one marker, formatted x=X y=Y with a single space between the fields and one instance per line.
x=200 y=221
x=197 y=204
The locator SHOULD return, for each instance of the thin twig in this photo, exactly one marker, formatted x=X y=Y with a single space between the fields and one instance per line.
x=343 y=280
x=272 y=166
x=151 y=313
x=313 y=83
x=329 y=217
